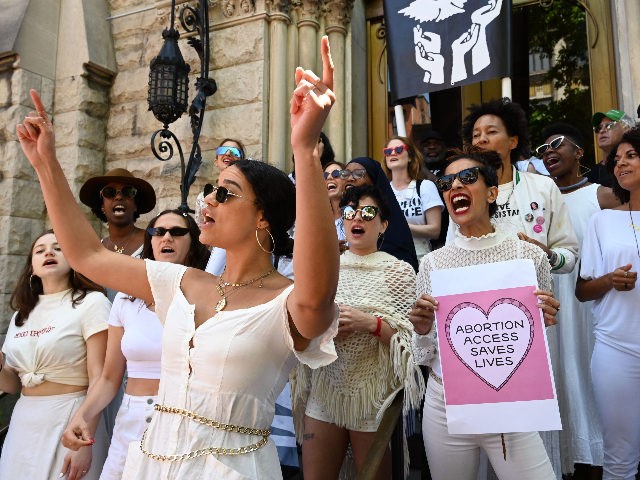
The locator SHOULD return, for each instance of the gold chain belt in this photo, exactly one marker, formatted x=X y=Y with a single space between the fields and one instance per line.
x=264 y=433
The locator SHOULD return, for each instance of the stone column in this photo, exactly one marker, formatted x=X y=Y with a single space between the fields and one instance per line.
x=278 y=91
x=625 y=19
x=337 y=18
x=308 y=25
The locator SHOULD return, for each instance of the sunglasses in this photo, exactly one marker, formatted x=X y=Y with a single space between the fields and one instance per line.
x=233 y=151
x=343 y=174
x=367 y=212
x=173 y=231
x=604 y=127
x=555 y=143
x=466 y=176
x=222 y=193
x=397 y=150
x=127 y=192
x=355 y=174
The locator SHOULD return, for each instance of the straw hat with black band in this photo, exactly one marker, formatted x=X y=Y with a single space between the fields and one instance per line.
x=90 y=191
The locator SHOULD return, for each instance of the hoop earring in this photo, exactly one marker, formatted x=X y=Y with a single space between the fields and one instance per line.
x=273 y=242
x=380 y=240
x=585 y=170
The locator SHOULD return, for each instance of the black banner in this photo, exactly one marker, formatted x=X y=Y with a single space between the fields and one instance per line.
x=438 y=44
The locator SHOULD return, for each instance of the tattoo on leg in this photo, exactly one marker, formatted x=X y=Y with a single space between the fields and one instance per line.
x=307 y=436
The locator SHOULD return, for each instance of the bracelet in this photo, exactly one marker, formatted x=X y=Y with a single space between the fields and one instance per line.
x=553 y=258
x=378 y=327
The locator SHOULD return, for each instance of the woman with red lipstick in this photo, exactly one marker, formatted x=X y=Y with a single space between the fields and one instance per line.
x=470 y=188
x=229 y=342
x=581 y=435
x=54 y=350
x=418 y=199
x=608 y=275
x=348 y=397
x=134 y=344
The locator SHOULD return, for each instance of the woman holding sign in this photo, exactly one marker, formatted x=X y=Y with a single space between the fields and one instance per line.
x=470 y=189
x=609 y=275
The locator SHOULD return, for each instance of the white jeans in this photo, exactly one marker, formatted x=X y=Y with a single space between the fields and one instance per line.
x=133 y=417
x=456 y=456
x=616 y=385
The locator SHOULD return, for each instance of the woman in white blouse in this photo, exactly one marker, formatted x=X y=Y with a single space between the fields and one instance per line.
x=54 y=350
x=418 y=199
x=135 y=345
x=470 y=189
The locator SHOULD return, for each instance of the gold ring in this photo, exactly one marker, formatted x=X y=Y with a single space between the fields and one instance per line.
x=626 y=274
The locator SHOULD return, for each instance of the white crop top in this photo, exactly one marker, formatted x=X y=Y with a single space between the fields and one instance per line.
x=142 y=338
x=51 y=344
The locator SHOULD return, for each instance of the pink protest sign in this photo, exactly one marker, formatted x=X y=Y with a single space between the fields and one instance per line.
x=492 y=343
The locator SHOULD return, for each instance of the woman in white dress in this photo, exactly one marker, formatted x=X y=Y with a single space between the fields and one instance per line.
x=229 y=342
x=134 y=345
x=418 y=198
x=54 y=350
x=581 y=435
x=608 y=276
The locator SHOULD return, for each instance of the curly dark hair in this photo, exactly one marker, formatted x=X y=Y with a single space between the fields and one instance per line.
x=276 y=197
x=489 y=162
x=632 y=137
x=353 y=195
x=29 y=288
x=198 y=255
x=513 y=117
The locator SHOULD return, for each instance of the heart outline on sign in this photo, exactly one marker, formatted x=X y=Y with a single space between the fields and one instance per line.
x=500 y=301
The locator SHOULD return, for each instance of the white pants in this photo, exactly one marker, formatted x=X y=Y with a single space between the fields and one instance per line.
x=456 y=456
x=133 y=417
x=616 y=385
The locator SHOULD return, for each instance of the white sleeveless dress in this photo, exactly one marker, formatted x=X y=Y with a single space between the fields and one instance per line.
x=238 y=365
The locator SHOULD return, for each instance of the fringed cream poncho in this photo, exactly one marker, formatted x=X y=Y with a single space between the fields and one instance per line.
x=367 y=374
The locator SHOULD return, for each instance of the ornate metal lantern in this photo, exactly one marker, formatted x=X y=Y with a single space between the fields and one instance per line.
x=169 y=81
x=169 y=89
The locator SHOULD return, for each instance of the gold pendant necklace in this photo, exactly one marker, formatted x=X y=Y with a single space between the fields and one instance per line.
x=221 y=287
x=118 y=249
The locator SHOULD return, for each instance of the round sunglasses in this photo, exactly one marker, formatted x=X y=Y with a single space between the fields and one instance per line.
x=222 y=193
x=127 y=191
x=466 y=176
x=233 y=151
x=367 y=212
x=162 y=231
x=604 y=127
x=391 y=150
x=555 y=143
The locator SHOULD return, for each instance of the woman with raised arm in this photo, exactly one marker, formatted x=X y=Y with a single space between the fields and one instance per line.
x=229 y=342
x=54 y=351
x=135 y=342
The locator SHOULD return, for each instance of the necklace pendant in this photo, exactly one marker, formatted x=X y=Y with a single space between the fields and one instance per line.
x=221 y=304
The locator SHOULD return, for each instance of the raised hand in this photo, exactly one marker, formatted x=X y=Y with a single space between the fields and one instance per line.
x=36 y=135
x=311 y=101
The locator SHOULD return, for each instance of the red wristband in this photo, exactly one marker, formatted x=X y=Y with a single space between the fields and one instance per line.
x=378 y=327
